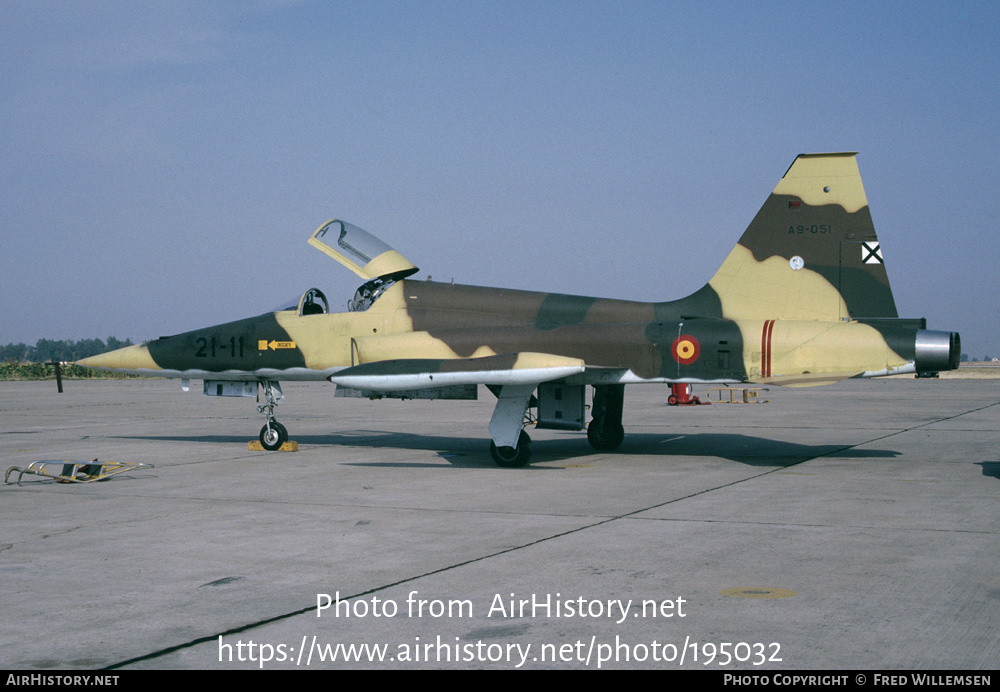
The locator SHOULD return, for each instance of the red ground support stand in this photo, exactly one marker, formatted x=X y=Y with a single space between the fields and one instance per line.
x=680 y=395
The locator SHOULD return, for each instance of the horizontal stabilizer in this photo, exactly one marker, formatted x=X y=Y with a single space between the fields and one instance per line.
x=421 y=373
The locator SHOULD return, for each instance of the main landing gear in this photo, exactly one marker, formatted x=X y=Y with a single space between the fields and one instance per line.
x=605 y=432
x=512 y=457
x=273 y=434
x=511 y=446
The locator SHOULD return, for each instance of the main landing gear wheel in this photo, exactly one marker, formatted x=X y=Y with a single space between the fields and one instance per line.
x=509 y=457
x=605 y=431
x=272 y=436
x=605 y=438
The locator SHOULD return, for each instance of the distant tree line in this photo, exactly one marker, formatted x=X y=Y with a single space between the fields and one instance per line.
x=986 y=359
x=46 y=350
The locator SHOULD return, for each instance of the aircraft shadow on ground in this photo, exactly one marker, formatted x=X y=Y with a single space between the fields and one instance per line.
x=471 y=452
x=991 y=468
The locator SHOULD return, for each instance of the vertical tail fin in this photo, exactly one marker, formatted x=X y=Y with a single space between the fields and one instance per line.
x=811 y=252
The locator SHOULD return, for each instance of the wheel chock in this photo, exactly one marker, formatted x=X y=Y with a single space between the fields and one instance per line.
x=290 y=446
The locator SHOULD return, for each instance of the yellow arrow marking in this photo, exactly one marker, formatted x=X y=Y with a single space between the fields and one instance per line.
x=263 y=345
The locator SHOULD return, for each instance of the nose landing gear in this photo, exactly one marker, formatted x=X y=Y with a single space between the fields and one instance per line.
x=273 y=434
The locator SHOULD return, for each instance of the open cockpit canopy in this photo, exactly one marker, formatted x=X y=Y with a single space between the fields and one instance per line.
x=366 y=256
x=360 y=251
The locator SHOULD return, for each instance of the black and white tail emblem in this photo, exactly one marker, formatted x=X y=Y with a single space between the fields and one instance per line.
x=871 y=253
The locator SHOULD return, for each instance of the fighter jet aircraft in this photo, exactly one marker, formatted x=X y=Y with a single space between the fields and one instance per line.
x=803 y=299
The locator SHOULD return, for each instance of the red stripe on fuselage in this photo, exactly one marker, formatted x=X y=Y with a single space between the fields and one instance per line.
x=765 y=348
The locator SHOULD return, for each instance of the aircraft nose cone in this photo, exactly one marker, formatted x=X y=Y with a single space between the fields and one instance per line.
x=128 y=359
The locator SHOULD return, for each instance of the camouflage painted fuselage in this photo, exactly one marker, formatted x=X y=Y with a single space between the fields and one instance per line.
x=619 y=340
x=803 y=298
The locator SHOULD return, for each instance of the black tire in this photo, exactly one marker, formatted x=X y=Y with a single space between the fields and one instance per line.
x=509 y=457
x=672 y=400
x=607 y=439
x=272 y=439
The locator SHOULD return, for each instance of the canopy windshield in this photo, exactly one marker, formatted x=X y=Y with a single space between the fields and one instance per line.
x=360 y=251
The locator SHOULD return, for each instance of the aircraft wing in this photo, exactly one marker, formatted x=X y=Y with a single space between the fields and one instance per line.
x=422 y=373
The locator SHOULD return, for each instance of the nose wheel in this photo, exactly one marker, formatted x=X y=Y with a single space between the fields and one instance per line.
x=273 y=435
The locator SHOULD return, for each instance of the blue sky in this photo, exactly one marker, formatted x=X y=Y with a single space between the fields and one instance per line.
x=164 y=163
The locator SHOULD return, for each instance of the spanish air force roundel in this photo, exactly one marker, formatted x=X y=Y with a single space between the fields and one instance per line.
x=685 y=349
